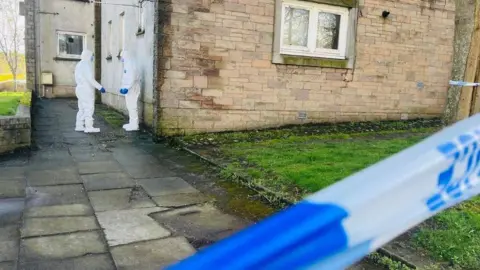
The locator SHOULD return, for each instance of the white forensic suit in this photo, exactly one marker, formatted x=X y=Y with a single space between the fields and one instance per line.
x=131 y=89
x=85 y=92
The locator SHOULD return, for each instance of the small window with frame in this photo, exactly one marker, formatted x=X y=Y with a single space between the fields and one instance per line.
x=141 y=18
x=70 y=44
x=109 y=40
x=121 y=35
x=314 y=30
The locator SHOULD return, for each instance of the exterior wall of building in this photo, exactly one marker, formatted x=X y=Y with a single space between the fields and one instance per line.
x=217 y=70
x=61 y=15
x=30 y=44
x=140 y=47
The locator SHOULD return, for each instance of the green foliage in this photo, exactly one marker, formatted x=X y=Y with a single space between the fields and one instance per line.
x=387 y=262
x=8 y=105
x=454 y=235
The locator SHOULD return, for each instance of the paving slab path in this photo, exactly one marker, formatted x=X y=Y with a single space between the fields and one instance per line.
x=112 y=200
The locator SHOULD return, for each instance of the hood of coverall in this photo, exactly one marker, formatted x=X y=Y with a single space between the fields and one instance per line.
x=86 y=55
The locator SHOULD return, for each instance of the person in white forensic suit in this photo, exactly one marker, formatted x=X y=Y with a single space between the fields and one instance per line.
x=85 y=92
x=131 y=89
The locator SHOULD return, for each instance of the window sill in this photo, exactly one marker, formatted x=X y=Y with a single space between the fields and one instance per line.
x=109 y=57
x=60 y=58
x=311 y=61
x=140 y=33
x=341 y=3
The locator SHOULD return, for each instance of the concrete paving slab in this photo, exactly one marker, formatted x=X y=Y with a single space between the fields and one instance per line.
x=133 y=156
x=53 y=177
x=11 y=211
x=126 y=150
x=92 y=156
x=54 y=154
x=12 y=188
x=59 y=210
x=56 y=195
x=8 y=251
x=59 y=247
x=56 y=225
x=8 y=265
x=120 y=199
x=166 y=186
x=9 y=173
x=98 y=167
x=200 y=224
x=9 y=233
x=107 y=181
x=89 y=262
x=51 y=164
x=180 y=200
x=151 y=255
x=127 y=226
x=141 y=171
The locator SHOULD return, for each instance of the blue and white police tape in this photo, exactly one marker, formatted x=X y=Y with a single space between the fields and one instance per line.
x=338 y=226
x=461 y=83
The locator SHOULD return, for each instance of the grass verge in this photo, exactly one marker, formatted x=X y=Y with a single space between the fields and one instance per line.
x=24 y=97
x=8 y=105
x=295 y=165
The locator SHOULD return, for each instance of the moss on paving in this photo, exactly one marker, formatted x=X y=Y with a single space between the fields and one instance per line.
x=112 y=117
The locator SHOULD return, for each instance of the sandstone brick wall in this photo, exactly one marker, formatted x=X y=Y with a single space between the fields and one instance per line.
x=217 y=72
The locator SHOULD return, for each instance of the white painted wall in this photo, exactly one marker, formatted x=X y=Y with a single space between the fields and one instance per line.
x=139 y=46
x=62 y=15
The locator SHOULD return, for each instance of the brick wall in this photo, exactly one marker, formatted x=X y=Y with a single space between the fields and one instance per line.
x=15 y=131
x=30 y=49
x=218 y=74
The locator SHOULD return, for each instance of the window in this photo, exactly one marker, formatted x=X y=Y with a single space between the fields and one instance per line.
x=70 y=45
x=109 y=39
x=141 y=19
x=316 y=30
x=121 y=35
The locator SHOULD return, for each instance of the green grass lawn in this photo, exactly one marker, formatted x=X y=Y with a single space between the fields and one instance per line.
x=298 y=165
x=8 y=105
x=315 y=165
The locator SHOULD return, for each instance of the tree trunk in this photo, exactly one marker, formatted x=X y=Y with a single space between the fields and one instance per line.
x=14 y=82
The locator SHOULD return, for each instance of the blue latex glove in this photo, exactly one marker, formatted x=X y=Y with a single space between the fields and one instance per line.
x=103 y=90
x=123 y=91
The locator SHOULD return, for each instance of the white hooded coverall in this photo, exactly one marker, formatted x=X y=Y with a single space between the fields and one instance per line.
x=85 y=92
x=131 y=82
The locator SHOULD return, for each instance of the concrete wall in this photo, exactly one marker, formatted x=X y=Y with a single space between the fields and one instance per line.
x=218 y=71
x=61 y=15
x=15 y=131
x=140 y=46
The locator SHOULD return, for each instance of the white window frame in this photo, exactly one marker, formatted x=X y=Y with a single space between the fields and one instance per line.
x=311 y=49
x=109 y=38
x=121 y=34
x=73 y=56
x=141 y=17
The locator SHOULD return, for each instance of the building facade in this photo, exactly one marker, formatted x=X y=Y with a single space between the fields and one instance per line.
x=128 y=25
x=243 y=64
x=56 y=34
